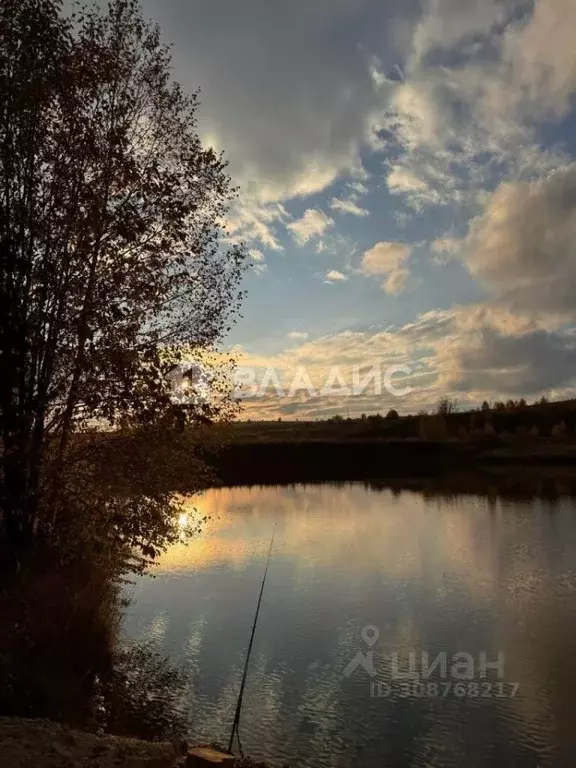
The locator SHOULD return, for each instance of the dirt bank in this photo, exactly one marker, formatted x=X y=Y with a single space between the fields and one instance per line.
x=42 y=744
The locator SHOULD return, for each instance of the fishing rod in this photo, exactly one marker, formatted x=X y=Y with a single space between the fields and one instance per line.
x=245 y=675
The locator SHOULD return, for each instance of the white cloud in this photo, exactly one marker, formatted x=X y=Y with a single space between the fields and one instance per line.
x=258 y=264
x=312 y=224
x=254 y=222
x=384 y=258
x=388 y=260
x=297 y=335
x=358 y=188
x=333 y=276
x=403 y=181
x=348 y=206
x=459 y=124
x=396 y=281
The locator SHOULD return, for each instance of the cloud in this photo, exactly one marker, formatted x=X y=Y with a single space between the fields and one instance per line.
x=388 y=259
x=293 y=110
x=396 y=281
x=333 y=276
x=541 y=59
x=357 y=188
x=312 y=224
x=519 y=364
x=404 y=181
x=297 y=335
x=478 y=352
x=523 y=247
x=348 y=206
x=445 y=249
x=447 y=23
x=446 y=245
x=478 y=74
x=258 y=265
x=254 y=222
x=363 y=352
x=384 y=258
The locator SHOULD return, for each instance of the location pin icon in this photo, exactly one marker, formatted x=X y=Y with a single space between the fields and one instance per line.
x=370 y=635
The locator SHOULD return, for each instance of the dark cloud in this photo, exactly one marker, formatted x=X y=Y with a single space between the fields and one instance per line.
x=516 y=364
x=287 y=88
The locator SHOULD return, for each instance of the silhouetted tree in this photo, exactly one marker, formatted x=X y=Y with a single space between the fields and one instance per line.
x=446 y=406
x=392 y=414
x=111 y=264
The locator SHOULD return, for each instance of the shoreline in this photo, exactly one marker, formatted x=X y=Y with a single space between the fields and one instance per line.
x=290 y=462
x=47 y=744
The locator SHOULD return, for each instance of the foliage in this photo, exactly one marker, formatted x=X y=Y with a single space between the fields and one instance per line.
x=112 y=270
x=60 y=659
x=122 y=495
x=143 y=696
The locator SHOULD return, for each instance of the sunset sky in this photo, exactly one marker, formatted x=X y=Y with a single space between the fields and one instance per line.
x=407 y=178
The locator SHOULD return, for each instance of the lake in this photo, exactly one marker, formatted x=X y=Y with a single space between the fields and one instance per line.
x=397 y=627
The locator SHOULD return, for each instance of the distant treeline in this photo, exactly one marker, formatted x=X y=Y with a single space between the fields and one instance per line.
x=543 y=419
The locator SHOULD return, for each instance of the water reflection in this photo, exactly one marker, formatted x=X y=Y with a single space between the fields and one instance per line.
x=437 y=573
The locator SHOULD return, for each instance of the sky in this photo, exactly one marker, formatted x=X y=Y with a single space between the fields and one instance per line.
x=407 y=177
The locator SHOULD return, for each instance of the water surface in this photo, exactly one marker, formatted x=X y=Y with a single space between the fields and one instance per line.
x=425 y=573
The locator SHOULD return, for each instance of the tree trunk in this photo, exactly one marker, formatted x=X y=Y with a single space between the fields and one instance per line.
x=19 y=479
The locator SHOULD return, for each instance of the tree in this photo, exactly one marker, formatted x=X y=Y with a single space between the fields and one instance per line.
x=485 y=406
x=392 y=414
x=446 y=406
x=112 y=269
